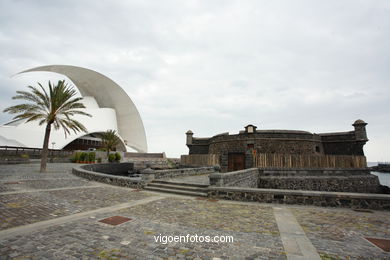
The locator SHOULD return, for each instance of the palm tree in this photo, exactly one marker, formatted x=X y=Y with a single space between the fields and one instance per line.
x=56 y=107
x=110 y=140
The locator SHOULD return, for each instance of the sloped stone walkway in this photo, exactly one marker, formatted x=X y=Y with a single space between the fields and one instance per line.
x=196 y=179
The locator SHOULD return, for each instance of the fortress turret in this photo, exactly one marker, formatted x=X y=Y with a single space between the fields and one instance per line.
x=189 y=137
x=360 y=130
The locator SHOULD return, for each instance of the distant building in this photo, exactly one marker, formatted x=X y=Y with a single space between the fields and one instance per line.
x=238 y=151
x=107 y=102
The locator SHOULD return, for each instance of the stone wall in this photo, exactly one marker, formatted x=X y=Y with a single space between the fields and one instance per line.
x=341 y=180
x=342 y=143
x=85 y=171
x=116 y=173
x=239 y=143
x=382 y=167
x=199 y=146
x=141 y=163
x=364 y=184
x=110 y=168
x=280 y=141
x=316 y=198
x=244 y=178
x=312 y=172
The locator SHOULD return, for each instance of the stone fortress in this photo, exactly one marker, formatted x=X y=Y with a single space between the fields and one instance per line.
x=237 y=151
x=286 y=159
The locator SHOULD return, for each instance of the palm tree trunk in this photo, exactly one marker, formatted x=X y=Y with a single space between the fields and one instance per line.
x=45 y=148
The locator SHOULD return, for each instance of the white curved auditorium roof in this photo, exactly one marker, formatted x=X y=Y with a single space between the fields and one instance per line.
x=107 y=94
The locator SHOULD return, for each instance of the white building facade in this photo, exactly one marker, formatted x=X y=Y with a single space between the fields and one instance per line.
x=110 y=106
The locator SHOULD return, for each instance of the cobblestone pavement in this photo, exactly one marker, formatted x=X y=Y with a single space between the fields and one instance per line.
x=17 y=209
x=135 y=239
x=31 y=171
x=341 y=233
x=30 y=206
x=58 y=196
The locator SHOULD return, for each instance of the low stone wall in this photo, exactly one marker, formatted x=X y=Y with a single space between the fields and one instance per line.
x=381 y=168
x=171 y=173
x=85 y=171
x=358 y=183
x=110 y=168
x=140 y=163
x=244 y=178
x=340 y=180
x=111 y=173
x=315 y=198
x=328 y=179
x=273 y=171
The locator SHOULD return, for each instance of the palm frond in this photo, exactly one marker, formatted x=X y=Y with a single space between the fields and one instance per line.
x=26 y=116
x=35 y=117
x=23 y=108
x=110 y=139
x=30 y=97
x=55 y=105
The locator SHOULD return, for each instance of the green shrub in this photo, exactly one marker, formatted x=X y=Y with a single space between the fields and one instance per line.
x=118 y=157
x=25 y=156
x=111 y=157
x=91 y=156
x=172 y=164
x=83 y=156
x=75 y=157
x=99 y=160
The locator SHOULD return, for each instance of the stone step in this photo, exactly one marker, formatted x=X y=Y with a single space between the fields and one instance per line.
x=181 y=192
x=181 y=183
x=177 y=187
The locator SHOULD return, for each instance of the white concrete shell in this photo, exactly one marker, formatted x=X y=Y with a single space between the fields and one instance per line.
x=106 y=101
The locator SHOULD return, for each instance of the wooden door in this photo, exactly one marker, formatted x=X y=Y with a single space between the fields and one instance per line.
x=236 y=161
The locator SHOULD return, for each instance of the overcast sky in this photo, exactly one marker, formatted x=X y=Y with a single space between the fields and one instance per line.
x=215 y=66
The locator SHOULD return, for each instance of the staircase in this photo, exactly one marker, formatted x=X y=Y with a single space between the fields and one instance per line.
x=191 y=189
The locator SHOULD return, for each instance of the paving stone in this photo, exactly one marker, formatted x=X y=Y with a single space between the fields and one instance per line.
x=340 y=233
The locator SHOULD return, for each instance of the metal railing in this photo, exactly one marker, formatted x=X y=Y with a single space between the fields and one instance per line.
x=31 y=151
